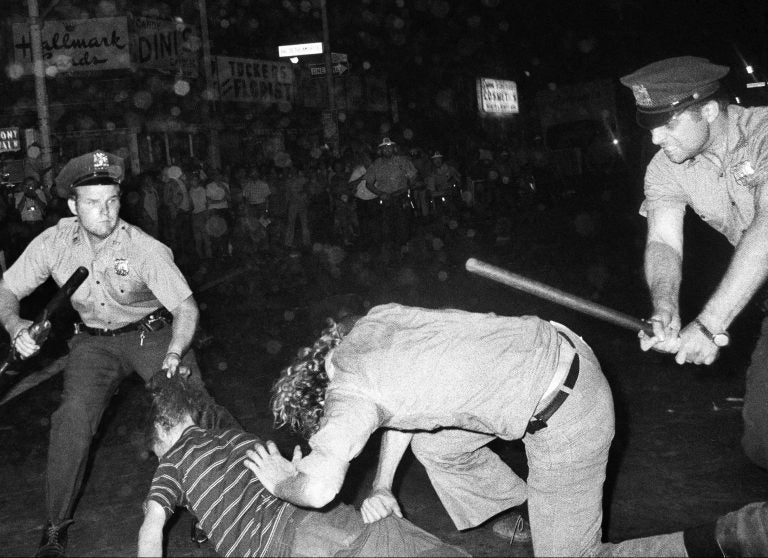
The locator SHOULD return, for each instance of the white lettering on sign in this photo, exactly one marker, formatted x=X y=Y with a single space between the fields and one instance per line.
x=254 y=81
x=165 y=45
x=497 y=96
x=299 y=50
x=9 y=140
x=76 y=45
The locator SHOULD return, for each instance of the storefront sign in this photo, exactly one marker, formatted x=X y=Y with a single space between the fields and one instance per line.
x=303 y=49
x=254 y=81
x=497 y=96
x=165 y=45
x=9 y=140
x=77 y=45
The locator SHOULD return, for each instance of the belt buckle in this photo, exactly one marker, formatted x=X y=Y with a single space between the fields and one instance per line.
x=78 y=328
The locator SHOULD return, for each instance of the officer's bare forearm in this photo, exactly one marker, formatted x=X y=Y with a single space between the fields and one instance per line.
x=747 y=271
x=9 y=309
x=663 y=274
x=393 y=446
x=301 y=490
x=185 y=318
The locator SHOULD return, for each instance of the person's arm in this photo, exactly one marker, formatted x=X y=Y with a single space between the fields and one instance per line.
x=745 y=274
x=185 y=318
x=284 y=479
x=151 y=531
x=15 y=325
x=663 y=274
x=381 y=503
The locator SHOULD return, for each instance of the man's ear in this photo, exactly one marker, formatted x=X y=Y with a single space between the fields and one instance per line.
x=710 y=111
x=72 y=205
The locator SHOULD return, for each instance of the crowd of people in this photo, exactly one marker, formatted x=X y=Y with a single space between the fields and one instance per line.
x=366 y=197
x=443 y=382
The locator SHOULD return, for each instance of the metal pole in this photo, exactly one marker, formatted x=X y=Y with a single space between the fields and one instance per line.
x=214 y=153
x=329 y=73
x=41 y=93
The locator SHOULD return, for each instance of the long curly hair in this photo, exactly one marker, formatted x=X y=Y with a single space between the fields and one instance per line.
x=298 y=395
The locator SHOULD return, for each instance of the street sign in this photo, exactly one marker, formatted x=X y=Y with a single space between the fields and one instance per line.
x=9 y=140
x=338 y=68
x=299 y=50
x=338 y=57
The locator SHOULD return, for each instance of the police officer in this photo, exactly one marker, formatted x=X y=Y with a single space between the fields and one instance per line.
x=137 y=313
x=713 y=158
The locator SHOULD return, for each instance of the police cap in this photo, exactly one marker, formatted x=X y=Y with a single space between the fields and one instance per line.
x=666 y=87
x=98 y=167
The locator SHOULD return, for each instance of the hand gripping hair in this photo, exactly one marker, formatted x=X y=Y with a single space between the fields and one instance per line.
x=176 y=397
x=298 y=396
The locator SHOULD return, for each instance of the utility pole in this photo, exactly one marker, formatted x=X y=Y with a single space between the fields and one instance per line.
x=214 y=154
x=41 y=93
x=329 y=76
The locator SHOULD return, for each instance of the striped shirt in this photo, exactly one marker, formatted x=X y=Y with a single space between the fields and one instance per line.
x=204 y=472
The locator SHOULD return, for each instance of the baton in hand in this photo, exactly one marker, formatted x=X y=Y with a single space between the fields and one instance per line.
x=42 y=326
x=560 y=297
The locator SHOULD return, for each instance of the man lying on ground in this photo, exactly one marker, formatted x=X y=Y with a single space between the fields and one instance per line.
x=203 y=470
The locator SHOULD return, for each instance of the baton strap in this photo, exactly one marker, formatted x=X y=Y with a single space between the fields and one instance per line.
x=540 y=419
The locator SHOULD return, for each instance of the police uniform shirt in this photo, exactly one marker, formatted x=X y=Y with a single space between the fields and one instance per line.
x=419 y=369
x=390 y=175
x=131 y=275
x=723 y=198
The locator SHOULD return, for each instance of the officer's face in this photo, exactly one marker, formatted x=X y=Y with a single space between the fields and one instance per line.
x=683 y=137
x=97 y=207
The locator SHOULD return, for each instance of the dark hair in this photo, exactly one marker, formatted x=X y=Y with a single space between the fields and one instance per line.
x=177 y=397
x=719 y=97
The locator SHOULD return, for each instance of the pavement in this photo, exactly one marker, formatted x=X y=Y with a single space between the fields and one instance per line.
x=675 y=461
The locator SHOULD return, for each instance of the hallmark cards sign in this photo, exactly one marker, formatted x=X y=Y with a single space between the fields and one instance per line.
x=497 y=96
x=9 y=140
x=77 y=45
x=255 y=81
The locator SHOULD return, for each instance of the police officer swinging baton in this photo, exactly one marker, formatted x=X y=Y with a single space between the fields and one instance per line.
x=560 y=297
x=42 y=326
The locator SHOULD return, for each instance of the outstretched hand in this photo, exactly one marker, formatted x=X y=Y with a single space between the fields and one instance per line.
x=270 y=467
x=379 y=504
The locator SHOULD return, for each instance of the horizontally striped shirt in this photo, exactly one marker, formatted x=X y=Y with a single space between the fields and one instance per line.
x=204 y=472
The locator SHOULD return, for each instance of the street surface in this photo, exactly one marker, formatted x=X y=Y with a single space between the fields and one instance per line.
x=676 y=460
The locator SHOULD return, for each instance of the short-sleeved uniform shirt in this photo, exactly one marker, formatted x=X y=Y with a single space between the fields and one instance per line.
x=723 y=198
x=204 y=472
x=390 y=175
x=132 y=274
x=411 y=368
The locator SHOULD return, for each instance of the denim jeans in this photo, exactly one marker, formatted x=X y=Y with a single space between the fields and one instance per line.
x=566 y=461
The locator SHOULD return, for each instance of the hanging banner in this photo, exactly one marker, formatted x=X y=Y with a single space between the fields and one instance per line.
x=254 y=81
x=76 y=45
x=163 y=45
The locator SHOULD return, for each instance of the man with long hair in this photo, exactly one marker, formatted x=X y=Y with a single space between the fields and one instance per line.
x=201 y=467
x=448 y=382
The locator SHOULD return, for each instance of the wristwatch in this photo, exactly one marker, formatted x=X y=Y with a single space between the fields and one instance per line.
x=719 y=339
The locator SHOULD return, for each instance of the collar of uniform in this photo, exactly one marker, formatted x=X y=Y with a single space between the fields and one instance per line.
x=120 y=229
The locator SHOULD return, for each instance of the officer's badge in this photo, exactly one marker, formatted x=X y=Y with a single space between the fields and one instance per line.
x=100 y=161
x=121 y=267
x=742 y=172
x=642 y=98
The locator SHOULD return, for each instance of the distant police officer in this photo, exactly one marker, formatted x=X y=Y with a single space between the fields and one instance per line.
x=137 y=313
x=713 y=158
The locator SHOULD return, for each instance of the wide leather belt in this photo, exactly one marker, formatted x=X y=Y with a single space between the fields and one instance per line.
x=539 y=420
x=152 y=322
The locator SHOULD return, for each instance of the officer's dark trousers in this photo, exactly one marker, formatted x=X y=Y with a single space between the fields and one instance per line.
x=95 y=368
x=755 y=412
